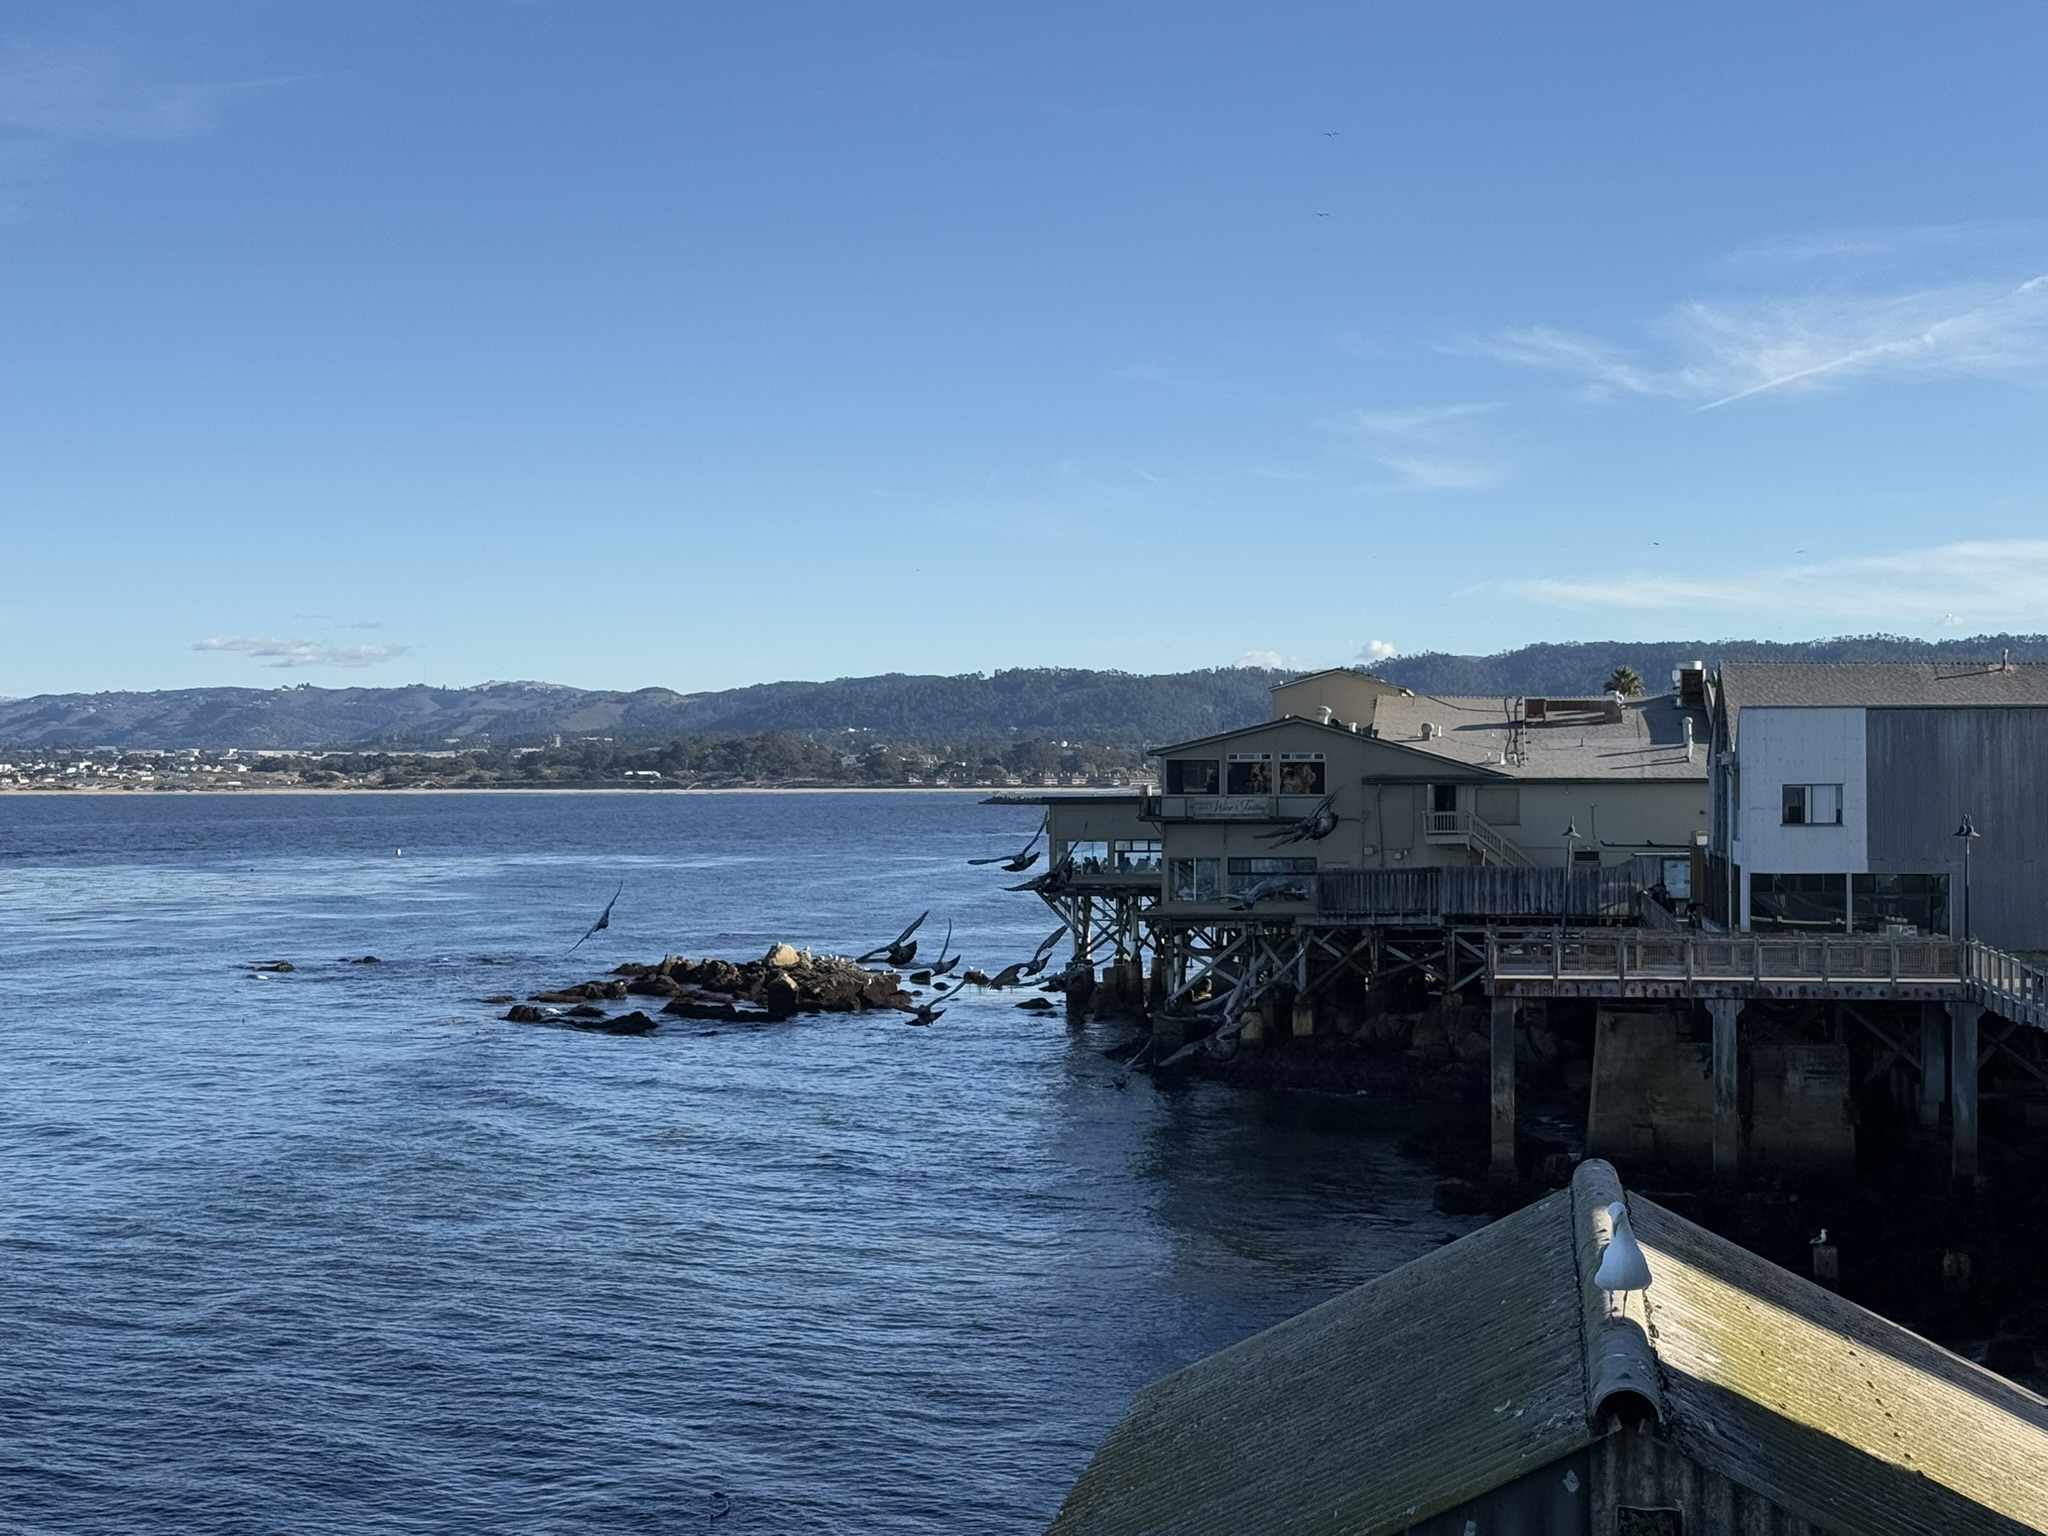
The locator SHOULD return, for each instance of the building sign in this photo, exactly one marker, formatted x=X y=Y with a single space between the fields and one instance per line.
x=1223 y=807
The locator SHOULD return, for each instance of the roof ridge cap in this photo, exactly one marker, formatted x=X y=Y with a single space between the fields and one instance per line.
x=1622 y=1375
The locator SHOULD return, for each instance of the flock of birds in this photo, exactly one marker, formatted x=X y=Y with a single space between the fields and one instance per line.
x=900 y=951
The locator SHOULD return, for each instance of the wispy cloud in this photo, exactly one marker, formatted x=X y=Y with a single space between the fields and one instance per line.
x=1426 y=448
x=1718 y=352
x=54 y=93
x=301 y=653
x=1979 y=582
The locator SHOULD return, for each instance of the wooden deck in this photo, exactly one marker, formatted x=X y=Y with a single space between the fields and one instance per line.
x=1620 y=963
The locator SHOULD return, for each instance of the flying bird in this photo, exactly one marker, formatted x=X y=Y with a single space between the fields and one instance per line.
x=1016 y=863
x=899 y=953
x=926 y=1013
x=1312 y=828
x=1008 y=976
x=604 y=920
x=1272 y=888
x=1043 y=954
x=944 y=964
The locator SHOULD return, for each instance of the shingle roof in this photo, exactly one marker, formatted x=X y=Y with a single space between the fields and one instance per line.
x=1647 y=742
x=1879 y=684
x=1494 y=1356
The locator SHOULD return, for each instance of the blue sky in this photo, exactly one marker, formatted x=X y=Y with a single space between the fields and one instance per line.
x=622 y=344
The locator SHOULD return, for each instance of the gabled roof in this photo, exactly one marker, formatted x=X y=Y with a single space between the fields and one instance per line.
x=1879 y=685
x=1496 y=1355
x=1485 y=736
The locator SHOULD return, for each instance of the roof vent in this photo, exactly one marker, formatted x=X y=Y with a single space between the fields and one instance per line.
x=1429 y=731
x=1688 y=738
x=1323 y=714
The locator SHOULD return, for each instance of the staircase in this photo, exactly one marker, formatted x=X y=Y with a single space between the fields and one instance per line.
x=1466 y=830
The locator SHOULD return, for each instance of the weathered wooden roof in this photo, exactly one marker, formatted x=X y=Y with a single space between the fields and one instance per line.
x=1495 y=1355
x=1389 y=1404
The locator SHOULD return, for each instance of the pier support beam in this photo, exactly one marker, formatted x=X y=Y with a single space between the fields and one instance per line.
x=1727 y=1091
x=1933 y=1062
x=1304 y=1016
x=1502 y=1171
x=1962 y=1039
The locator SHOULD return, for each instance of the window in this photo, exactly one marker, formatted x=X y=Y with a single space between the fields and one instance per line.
x=1678 y=879
x=1089 y=857
x=1813 y=805
x=1301 y=773
x=1194 y=879
x=1443 y=798
x=1191 y=776
x=1134 y=856
x=1249 y=773
x=1798 y=903
x=1899 y=904
x=1274 y=879
x=1585 y=858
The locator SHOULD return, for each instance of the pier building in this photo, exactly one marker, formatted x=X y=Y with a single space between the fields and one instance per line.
x=1747 y=895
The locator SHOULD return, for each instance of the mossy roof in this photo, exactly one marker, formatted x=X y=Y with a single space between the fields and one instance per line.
x=1466 y=1369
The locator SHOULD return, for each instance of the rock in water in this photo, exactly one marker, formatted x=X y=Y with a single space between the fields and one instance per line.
x=783 y=957
x=780 y=996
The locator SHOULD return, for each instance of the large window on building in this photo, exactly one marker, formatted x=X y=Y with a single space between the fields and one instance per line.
x=1249 y=773
x=1301 y=773
x=1134 y=856
x=1813 y=805
x=1194 y=879
x=1901 y=904
x=1273 y=879
x=1798 y=903
x=1192 y=775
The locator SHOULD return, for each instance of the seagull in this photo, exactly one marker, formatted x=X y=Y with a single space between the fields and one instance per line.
x=1622 y=1265
x=944 y=965
x=604 y=919
x=1312 y=828
x=1016 y=863
x=901 y=952
x=1043 y=954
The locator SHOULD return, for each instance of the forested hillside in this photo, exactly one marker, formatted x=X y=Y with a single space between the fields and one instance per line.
x=1051 y=704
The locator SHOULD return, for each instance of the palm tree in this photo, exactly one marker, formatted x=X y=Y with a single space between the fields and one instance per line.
x=1626 y=681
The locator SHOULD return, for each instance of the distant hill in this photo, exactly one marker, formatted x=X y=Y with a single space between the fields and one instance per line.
x=1582 y=667
x=1054 y=703
x=1114 y=708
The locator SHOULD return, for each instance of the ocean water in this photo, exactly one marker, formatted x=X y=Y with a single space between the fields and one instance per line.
x=342 y=1251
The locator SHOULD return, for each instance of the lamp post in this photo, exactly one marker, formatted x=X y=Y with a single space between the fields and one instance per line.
x=1967 y=834
x=1571 y=842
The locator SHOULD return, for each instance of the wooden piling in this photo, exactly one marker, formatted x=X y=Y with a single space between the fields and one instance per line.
x=1727 y=1090
x=1962 y=1020
x=1502 y=1171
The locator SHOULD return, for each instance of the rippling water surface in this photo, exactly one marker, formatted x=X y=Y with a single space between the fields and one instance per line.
x=340 y=1251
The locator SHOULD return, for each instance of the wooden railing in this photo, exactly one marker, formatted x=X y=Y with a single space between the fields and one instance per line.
x=1631 y=959
x=1483 y=893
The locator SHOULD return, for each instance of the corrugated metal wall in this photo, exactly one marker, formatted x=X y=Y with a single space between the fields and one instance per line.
x=1928 y=767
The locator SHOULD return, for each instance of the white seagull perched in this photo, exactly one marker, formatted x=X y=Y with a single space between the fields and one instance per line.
x=1622 y=1266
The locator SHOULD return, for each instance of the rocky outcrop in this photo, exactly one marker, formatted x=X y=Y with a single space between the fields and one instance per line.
x=783 y=983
